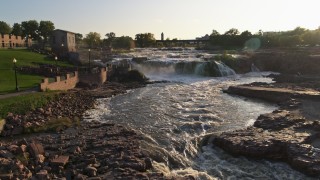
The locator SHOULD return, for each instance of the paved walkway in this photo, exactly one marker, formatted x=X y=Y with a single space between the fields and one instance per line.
x=28 y=91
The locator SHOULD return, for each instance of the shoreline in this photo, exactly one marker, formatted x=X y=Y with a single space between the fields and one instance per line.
x=80 y=151
x=290 y=134
x=108 y=150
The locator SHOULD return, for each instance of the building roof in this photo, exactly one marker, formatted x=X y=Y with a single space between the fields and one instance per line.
x=64 y=31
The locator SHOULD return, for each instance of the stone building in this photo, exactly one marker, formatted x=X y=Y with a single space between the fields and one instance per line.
x=12 y=41
x=63 y=42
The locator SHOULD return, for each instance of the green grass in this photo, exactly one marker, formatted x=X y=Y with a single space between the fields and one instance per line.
x=24 y=103
x=54 y=125
x=24 y=58
x=2 y=123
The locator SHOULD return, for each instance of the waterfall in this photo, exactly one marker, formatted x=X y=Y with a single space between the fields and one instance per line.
x=254 y=68
x=199 y=70
x=204 y=68
x=224 y=69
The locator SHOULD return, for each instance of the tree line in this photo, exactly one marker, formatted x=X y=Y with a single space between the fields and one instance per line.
x=292 y=38
x=42 y=31
x=39 y=31
x=93 y=39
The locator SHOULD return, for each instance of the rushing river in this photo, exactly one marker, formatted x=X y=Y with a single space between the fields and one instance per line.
x=176 y=115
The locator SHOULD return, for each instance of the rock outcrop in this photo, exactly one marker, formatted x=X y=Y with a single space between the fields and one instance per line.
x=91 y=150
x=290 y=134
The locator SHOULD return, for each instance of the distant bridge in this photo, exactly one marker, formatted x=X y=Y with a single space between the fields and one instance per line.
x=189 y=41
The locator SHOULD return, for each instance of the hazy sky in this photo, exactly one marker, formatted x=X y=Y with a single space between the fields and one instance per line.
x=182 y=19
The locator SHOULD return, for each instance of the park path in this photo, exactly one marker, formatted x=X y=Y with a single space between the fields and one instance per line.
x=28 y=91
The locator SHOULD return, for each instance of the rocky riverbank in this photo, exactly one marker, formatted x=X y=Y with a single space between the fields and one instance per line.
x=290 y=134
x=76 y=150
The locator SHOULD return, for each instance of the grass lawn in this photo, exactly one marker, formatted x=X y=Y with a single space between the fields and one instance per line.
x=24 y=103
x=24 y=58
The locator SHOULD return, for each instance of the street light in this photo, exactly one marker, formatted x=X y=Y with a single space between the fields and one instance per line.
x=62 y=50
x=56 y=60
x=15 y=73
x=89 y=59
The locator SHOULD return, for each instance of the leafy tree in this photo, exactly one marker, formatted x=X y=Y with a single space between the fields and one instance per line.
x=214 y=33
x=111 y=35
x=45 y=30
x=246 y=34
x=92 y=39
x=79 y=38
x=297 y=31
x=5 y=28
x=110 y=38
x=145 y=40
x=139 y=40
x=232 y=32
x=16 y=29
x=30 y=29
x=259 y=33
x=123 y=42
x=311 y=37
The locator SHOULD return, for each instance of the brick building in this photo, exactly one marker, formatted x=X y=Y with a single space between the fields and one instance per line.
x=12 y=41
x=63 y=42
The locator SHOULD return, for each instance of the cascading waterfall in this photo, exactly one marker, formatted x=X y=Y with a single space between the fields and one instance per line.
x=173 y=117
x=224 y=69
x=254 y=68
x=201 y=68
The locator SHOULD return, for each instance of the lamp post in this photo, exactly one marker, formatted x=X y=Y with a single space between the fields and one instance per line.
x=15 y=73
x=56 y=60
x=62 y=50
x=89 y=59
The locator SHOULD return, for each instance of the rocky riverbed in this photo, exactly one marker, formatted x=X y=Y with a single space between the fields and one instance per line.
x=81 y=150
x=290 y=133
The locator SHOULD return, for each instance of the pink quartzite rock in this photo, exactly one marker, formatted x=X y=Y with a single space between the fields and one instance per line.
x=60 y=161
x=36 y=149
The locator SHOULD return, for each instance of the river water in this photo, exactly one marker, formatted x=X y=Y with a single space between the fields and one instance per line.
x=174 y=117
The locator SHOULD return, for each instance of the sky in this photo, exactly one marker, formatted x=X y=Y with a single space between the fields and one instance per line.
x=181 y=19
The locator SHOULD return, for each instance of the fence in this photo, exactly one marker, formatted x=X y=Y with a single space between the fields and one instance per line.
x=70 y=80
x=61 y=82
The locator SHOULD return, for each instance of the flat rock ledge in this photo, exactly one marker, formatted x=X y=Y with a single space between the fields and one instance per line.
x=290 y=134
x=91 y=151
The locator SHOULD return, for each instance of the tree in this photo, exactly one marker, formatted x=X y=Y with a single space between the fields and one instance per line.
x=16 y=29
x=123 y=42
x=214 y=33
x=30 y=30
x=111 y=35
x=92 y=39
x=79 y=38
x=145 y=40
x=260 y=32
x=232 y=32
x=110 y=38
x=298 y=31
x=45 y=30
x=246 y=33
x=5 y=28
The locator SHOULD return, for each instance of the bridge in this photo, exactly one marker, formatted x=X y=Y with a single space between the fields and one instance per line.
x=184 y=42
